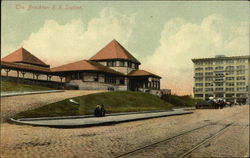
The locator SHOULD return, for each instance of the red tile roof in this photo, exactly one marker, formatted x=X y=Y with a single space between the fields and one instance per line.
x=23 y=56
x=114 y=50
x=142 y=73
x=84 y=65
x=19 y=66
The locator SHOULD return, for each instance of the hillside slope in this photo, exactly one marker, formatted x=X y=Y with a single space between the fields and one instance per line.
x=7 y=86
x=113 y=102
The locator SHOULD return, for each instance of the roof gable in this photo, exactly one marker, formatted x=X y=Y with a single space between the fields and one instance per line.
x=84 y=65
x=23 y=56
x=24 y=67
x=114 y=50
x=142 y=73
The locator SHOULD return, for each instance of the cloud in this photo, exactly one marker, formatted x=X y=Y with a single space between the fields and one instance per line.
x=181 y=41
x=59 y=44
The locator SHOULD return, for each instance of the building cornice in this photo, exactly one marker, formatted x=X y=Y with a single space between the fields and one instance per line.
x=222 y=58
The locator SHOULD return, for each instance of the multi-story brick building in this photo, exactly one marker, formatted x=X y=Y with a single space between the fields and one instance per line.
x=222 y=77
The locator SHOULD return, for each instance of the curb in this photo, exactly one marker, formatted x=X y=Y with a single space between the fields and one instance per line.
x=89 y=116
x=97 y=123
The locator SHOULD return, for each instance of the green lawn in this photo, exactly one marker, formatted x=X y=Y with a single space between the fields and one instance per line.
x=7 y=86
x=113 y=101
x=180 y=101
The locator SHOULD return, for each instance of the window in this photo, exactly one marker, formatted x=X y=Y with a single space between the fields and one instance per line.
x=241 y=89
x=241 y=78
x=198 y=89
x=219 y=89
x=219 y=68
x=208 y=63
x=208 y=95
x=219 y=95
x=199 y=84
x=241 y=95
x=110 y=79
x=198 y=69
x=229 y=89
x=230 y=73
x=133 y=65
x=209 y=89
x=239 y=72
x=230 y=84
x=219 y=73
x=208 y=84
x=230 y=95
x=72 y=77
x=241 y=61
x=122 y=63
x=230 y=61
x=198 y=95
x=129 y=64
x=209 y=74
x=111 y=63
x=122 y=81
x=230 y=68
x=241 y=83
x=209 y=68
x=198 y=74
x=198 y=63
x=219 y=79
x=219 y=62
x=136 y=66
x=209 y=79
x=198 y=79
x=81 y=76
x=229 y=78
x=241 y=67
x=96 y=79
x=219 y=84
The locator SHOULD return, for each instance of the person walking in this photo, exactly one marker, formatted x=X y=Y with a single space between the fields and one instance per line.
x=98 y=112
x=103 y=111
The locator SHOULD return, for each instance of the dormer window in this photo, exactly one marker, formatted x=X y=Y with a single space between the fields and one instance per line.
x=136 y=66
x=133 y=65
x=129 y=64
x=122 y=63
x=111 y=63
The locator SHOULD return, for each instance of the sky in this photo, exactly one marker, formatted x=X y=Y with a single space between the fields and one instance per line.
x=164 y=35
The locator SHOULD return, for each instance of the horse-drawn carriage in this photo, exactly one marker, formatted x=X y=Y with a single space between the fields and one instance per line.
x=211 y=104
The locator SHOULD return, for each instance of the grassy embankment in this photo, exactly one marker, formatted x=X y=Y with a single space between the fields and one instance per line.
x=113 y=101
x=180 y=101
x=7 y=86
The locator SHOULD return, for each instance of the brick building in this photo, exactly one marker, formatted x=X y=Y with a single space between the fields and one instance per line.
x=113 y=67
x=222 y=77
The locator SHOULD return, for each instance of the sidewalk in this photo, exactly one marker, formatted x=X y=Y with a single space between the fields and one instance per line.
x=87 y=121
x=9 y=94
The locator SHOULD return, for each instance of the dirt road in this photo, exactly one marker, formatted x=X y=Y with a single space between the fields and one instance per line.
x=111 y=141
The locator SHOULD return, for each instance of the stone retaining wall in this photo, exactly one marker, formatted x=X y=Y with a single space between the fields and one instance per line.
x=97 y=85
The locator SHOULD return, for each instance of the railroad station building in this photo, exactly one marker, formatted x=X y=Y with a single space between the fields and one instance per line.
x=112 y=68
x=222 y=77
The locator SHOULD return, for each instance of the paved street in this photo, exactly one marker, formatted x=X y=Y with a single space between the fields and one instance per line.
x=226 y=134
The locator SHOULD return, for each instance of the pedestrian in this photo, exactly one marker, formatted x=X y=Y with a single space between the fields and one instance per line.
x=103 y=111
x=98 y=112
